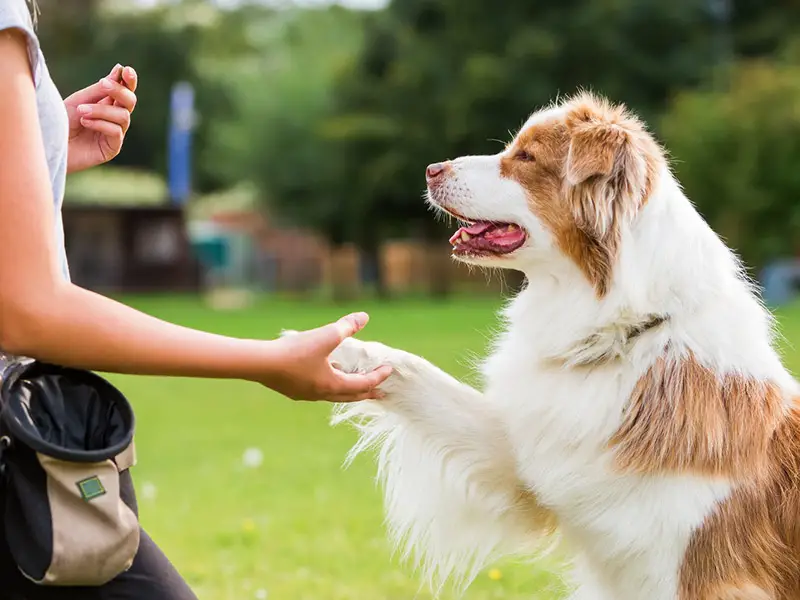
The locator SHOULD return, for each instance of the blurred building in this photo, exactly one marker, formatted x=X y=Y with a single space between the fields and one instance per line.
x=130 y=249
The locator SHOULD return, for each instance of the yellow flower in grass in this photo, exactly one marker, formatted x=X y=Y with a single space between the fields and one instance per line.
x=495 y=575
x=248 y=526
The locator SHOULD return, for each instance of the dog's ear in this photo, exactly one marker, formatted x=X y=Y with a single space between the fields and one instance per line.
x=606 y=168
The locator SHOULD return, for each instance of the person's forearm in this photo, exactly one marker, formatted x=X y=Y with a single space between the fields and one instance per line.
x=81 y=329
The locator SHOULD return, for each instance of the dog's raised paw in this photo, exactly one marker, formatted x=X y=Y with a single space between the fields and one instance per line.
x=356 y=356
x=352 y=356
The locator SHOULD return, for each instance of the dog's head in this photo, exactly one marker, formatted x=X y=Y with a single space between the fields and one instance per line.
x=571 y=180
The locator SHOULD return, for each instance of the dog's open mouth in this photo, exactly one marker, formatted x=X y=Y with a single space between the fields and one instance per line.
x=487 y=238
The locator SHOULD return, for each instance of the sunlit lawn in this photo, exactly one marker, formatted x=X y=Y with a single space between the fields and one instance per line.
x=297 y=527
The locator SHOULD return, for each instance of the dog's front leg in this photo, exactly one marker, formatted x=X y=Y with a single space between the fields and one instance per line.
x=453 y=498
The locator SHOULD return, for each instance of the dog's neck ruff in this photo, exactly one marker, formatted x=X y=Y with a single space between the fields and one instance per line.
x=608 y=343
x=651 y=323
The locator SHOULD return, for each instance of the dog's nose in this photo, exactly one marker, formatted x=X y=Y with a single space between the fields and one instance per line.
x=435 y=170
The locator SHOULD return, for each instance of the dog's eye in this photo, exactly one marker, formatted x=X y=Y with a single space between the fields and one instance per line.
x=524 y=156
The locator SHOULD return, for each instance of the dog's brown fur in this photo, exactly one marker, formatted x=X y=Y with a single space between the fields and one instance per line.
x=684 y=418
x=586 y=176
x=752 y=542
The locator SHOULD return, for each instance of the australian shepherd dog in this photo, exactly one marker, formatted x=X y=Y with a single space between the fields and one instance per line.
x=635 y=405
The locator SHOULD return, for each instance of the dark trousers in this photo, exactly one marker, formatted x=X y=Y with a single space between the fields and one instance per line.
x=151 y=577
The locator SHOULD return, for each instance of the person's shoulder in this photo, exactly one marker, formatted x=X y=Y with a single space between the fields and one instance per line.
x=16 y=15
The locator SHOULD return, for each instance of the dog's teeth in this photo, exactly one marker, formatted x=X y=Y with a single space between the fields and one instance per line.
x=512 y=227
x=465 y=237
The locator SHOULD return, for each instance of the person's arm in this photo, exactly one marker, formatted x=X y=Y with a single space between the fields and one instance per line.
x=47 y=318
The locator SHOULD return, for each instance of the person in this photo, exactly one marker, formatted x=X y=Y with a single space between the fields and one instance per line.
x=45 y=317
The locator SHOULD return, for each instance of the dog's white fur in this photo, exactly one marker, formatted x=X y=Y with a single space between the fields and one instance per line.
x=470 y=476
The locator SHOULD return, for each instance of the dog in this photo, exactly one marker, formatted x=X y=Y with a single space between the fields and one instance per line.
x=634 y=408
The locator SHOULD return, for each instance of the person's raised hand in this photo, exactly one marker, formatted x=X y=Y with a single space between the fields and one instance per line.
x=302 y=369
x=99 y=117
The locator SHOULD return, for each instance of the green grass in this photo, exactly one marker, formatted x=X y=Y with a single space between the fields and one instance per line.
x=298 y=527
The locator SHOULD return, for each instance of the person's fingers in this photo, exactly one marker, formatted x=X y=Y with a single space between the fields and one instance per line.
x=130 y=78
x=121 y=95
x=115 y=72
x=111 y=131
x=359 y=383
x=95 y=92
x=113 y=114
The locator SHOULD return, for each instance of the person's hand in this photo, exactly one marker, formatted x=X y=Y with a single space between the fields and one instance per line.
x=302 y=369
x=99 y=117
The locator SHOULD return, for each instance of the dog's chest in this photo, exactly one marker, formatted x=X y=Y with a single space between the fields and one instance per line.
x=559 y=422
x=631 y=531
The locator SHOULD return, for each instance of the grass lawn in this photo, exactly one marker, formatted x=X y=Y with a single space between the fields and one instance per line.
x=298 y=527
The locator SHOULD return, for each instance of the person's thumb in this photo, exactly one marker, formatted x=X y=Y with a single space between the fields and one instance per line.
x=345 y=327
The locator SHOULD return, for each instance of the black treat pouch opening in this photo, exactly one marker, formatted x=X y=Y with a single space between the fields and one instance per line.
x=67 y=442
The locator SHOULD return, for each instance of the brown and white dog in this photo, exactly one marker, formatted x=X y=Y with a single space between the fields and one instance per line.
x=635 y=403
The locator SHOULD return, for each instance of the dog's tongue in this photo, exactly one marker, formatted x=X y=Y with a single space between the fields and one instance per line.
x=474 y=229
x=477 y=228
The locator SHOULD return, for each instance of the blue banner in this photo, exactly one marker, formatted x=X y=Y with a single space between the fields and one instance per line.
x=181 y=124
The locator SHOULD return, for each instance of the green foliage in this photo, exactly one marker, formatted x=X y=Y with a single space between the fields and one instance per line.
x=333 y=114
x=283 y=91
x=737 y=150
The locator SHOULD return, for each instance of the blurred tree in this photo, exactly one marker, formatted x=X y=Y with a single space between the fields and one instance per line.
x=284 y=90
x=759 y=28
x=737 y=151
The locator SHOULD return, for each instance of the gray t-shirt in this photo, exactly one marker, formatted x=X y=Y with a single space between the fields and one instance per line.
x=53 y=121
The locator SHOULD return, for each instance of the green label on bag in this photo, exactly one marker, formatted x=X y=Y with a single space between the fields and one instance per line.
x=91 y=488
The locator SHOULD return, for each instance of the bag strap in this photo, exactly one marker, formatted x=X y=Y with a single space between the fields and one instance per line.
x=10 y=368
x=5 y=444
